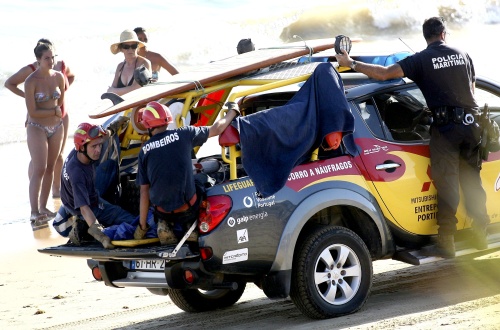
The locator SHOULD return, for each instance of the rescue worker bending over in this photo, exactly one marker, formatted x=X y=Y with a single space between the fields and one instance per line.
x=165 y=173
x=78 y=192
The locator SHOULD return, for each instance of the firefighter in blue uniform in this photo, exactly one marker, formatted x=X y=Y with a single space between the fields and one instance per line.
x=446 y=77
x=165 y=172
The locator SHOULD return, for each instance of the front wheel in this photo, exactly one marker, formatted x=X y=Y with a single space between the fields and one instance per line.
x=194 y=300
x=332 y=273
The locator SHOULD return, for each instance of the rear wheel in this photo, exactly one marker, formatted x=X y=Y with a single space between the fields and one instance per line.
x=194 y=300
x=331 y=274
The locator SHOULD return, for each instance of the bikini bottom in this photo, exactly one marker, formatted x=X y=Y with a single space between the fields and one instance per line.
x=49 y=130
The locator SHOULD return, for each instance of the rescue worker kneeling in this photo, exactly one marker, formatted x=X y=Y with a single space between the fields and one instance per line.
x=79 y=195
x=165 y=174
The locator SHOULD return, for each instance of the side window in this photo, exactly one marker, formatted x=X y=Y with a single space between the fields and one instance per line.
x=483 y=96
x=405 y=114
x=368 y=112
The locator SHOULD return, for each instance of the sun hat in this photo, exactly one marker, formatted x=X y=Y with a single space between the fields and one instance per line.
x=125 y=36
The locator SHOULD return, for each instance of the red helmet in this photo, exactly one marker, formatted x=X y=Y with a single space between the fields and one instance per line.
x=87 y=132
x=155 y=115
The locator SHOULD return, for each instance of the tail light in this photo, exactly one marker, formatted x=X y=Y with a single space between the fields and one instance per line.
x=96 y=272
x=189 y=276
x=212 y=211
x=206 y=253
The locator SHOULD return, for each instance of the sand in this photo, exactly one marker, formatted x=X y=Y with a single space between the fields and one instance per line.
x=38 y=290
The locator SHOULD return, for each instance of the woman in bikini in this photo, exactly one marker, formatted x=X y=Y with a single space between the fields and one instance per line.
x=157 y=61
x=13 y=82
x=44 y=94
x=124 y=76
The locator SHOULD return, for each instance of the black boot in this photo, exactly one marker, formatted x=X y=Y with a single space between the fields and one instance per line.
x=479 y=238
x=444 y=247
x=165 y=233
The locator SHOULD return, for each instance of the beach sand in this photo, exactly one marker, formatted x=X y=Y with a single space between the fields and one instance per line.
x=38 y=290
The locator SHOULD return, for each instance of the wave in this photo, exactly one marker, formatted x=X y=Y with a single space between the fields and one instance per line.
x=387 y=18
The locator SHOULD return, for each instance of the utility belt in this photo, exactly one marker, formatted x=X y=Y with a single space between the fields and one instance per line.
x=180 y=209
x=445 y=114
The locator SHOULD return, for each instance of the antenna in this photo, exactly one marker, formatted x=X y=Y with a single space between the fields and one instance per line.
x=406 y=45
x=295 y=36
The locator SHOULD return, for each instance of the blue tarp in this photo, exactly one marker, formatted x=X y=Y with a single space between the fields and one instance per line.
x=276 y=140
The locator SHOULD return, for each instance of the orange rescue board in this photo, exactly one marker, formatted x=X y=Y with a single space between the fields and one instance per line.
x=216 y=71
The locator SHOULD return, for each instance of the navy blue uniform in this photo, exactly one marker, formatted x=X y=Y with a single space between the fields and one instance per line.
x=78 y=189
x=445 y=76
x=165 y=165
x=77 y=184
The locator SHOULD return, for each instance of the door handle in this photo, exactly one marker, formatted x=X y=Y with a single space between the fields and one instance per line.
x=387 y=166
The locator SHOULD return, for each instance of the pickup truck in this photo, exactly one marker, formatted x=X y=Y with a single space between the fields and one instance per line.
x=315 y=239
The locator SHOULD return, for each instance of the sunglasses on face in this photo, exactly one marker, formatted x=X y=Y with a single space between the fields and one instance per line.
x=143 y=39
x=95 y=131
x=133 y=46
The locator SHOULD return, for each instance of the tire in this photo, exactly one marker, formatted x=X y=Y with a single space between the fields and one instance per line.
x=194 y=300
x=332 y=273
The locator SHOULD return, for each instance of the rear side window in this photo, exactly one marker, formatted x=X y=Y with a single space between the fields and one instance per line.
x=369 y=113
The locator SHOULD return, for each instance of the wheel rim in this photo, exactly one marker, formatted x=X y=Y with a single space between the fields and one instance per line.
x=213 y=294
x=337 y=274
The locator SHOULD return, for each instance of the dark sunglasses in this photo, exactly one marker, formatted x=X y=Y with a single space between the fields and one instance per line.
x=96 y=131
x=133 y=46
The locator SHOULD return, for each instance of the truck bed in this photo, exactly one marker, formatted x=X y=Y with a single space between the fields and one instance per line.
x=94 y=250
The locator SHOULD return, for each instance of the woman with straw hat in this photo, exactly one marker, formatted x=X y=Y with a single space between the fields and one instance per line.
x=124 y=76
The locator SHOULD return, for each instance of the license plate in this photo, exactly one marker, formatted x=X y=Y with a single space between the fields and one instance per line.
x=155 y=264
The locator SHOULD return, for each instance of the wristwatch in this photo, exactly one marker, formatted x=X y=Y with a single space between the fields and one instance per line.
x=353 y=65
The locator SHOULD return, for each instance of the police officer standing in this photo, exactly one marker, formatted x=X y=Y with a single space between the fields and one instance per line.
x=446 y=77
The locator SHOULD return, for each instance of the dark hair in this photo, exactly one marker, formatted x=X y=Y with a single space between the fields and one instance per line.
x=42 y=41
x=45 y=41
x=245 y=45
x=40 y=48
x=139 y=30
x=433 y=27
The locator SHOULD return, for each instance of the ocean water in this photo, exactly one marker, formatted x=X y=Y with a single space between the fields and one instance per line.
x=194 y=32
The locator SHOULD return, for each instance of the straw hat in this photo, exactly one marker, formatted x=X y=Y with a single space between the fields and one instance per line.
x=125 y=36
